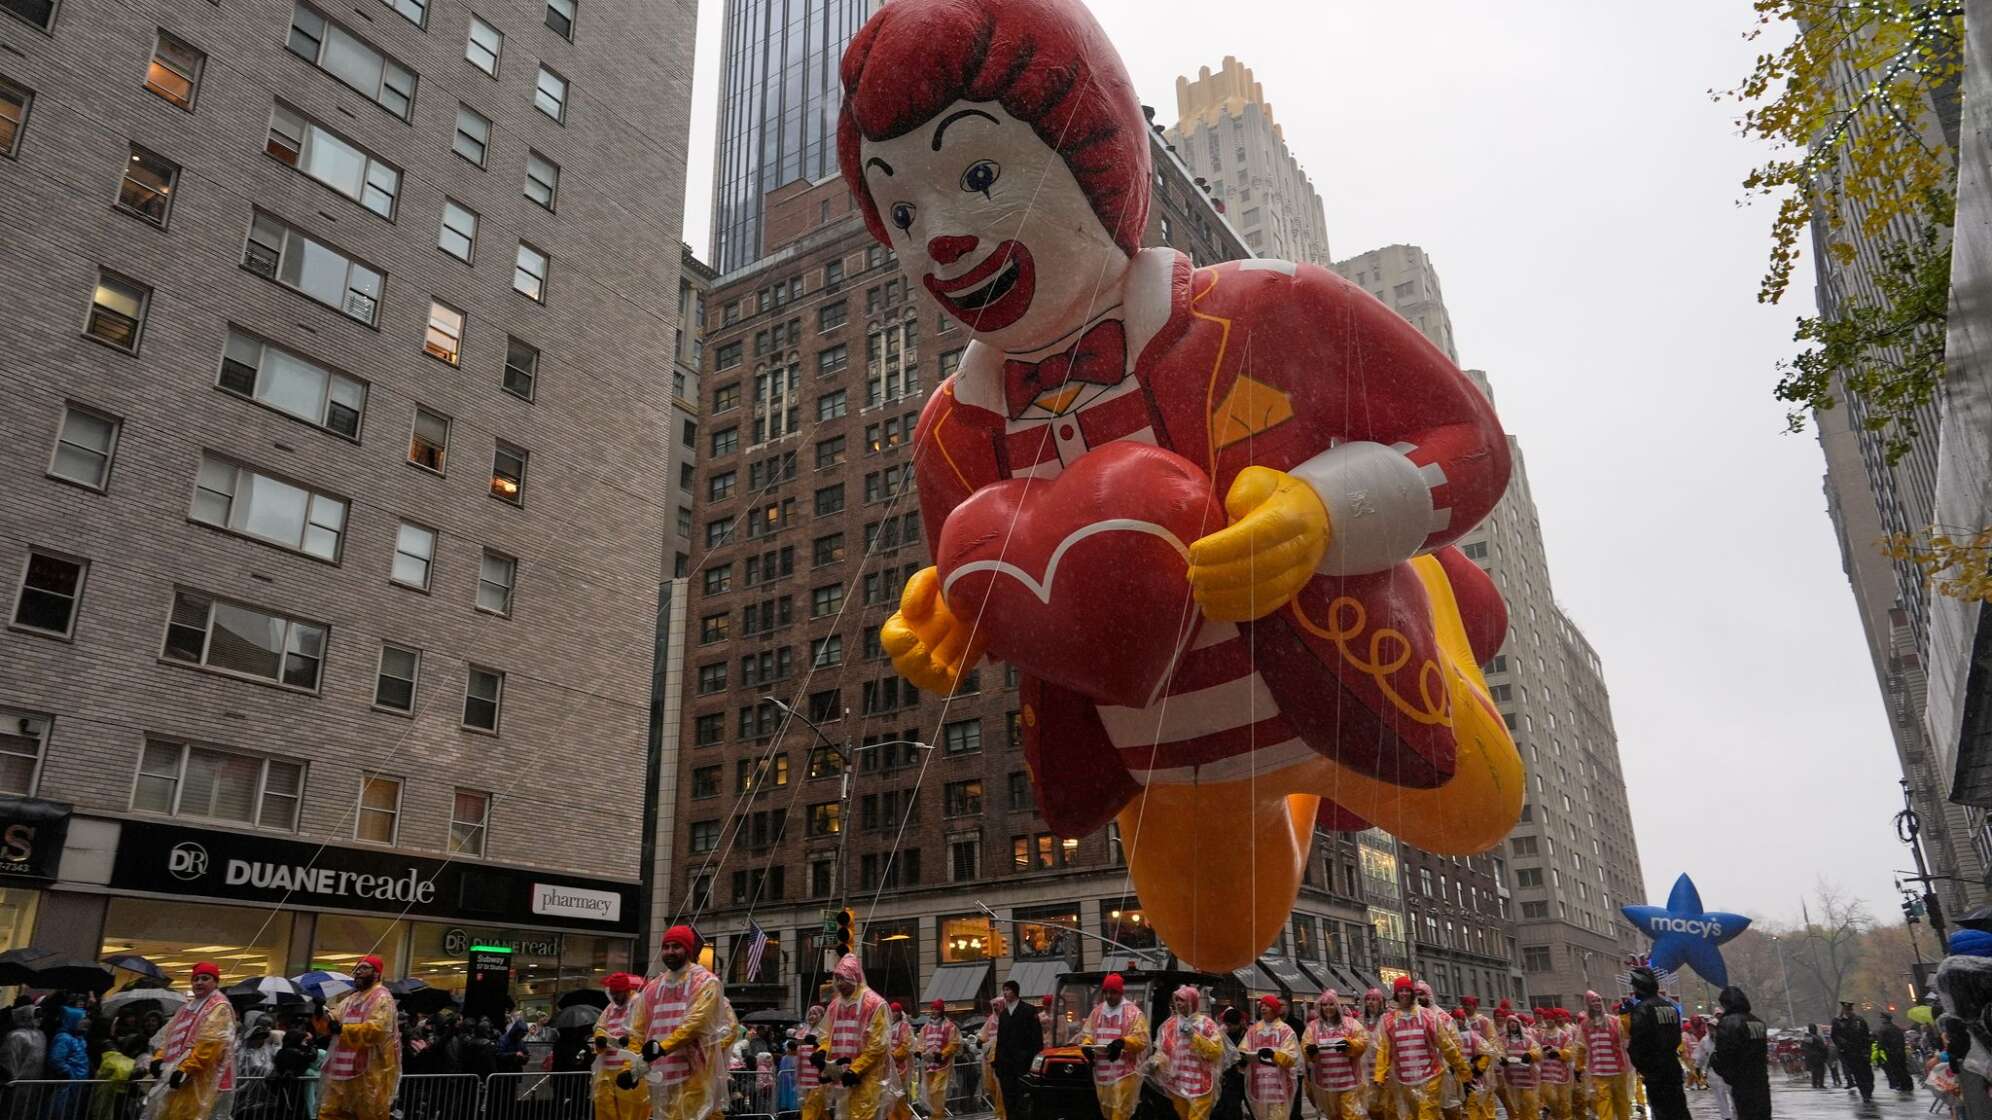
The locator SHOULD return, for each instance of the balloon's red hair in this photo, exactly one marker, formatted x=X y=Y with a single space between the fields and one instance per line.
x=1045 y=61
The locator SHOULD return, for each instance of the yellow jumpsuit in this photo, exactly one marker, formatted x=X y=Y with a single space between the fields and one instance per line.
x=1192 y=1055
x=1557 y=1047
x=808 y=1081
x=1379 y=1101
x=199 y=1042
x=363 y=1068
x=862 y=1044
x=1483 y=1053
x=1327 y=1069
x=1115 y=1081
x=940 y=1040
x=901 y=1045
x=613 y=1102
x=1419 y=1100
x=1524 y=1097
x=1610 y=1094
x=687 y=1080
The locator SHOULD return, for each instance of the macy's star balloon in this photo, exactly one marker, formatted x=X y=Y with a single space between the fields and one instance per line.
x=1208 y=512
x=1684 y=933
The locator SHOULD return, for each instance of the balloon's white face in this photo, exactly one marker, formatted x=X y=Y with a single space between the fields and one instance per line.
x=992 y=223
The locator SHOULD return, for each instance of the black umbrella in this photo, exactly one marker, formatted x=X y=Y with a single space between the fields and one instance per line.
x=413 y=995
x=1979 y=919
x=131 y=962
x=66 y=974
x=265 y=991
x=15 y=963
x=590 y=997
x=576 y=1017
x=768 y=1016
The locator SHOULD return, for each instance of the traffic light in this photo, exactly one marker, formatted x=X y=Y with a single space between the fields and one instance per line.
x=1912 y=911
x=846 y=923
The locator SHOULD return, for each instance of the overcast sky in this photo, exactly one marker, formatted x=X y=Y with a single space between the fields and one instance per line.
x=1564 y=166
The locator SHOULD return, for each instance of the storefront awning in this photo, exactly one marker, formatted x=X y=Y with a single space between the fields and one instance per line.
x=1036 y=979
x=1257 y=981
x=1316 y=980
x=1292 y=980
x=1353 y=978
x=956 y=983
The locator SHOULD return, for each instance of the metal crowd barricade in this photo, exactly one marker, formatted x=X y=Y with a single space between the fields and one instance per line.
x=967 y=1096
x=438 y=1096
x=72 y=1100
x=539 y=1096
x=754 y=1094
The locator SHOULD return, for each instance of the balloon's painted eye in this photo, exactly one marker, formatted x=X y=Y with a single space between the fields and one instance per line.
x=980 y=176
x=902 y=215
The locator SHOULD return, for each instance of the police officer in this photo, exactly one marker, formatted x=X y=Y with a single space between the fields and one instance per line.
x=1653 y=1041
x=1742 y=1056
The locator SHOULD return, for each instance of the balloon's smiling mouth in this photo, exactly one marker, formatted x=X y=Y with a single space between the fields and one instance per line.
x=992 y=295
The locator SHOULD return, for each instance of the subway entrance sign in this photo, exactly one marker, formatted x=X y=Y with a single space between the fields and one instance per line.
x=487 y=989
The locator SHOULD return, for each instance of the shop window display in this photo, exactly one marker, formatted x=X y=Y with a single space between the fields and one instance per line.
x=244 y=941
x=342 y=939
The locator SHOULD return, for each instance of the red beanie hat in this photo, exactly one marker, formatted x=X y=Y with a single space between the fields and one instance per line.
x=1402 y=984
x=208 y=968
x=683 y=935
x=940 y=1006
x=1113 y=983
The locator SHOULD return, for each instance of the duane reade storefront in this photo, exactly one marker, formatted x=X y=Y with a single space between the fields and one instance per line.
x=260 y=906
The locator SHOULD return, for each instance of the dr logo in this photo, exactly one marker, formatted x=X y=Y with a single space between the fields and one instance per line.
x=187 y=861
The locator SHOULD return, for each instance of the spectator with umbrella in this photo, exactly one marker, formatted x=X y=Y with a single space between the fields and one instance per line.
x=199 y=1049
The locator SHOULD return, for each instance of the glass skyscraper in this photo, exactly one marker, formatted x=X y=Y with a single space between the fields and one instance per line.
x=778 y=98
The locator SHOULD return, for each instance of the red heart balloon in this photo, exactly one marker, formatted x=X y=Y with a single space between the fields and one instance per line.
x=1083 y=581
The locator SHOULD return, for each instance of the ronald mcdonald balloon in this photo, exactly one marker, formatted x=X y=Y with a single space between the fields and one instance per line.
x=1208 y=512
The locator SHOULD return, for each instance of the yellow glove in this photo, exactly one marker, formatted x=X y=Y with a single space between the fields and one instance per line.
x=928 y=644
x=1278 y=533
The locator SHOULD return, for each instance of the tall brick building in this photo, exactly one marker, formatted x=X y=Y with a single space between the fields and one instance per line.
x=335 y=471
x=819 y=358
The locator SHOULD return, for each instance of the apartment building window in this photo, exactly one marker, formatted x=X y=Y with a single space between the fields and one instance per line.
x=1537 y=911
x=352 y=60
x=185 y=780
x=830 y=499
x=1536 y=958
x=718 y=532
x=280 y=252
x=273 y=376
x=484 y=46
x=726 y=398
x=244 y=640
x=175 y=70
x=470 y=818
x=550 y=94
x=428 y=445
x=708 y=729
x=23 y=739
x=394 y=681
x=508 y=473
x=147 y=189
x=719 y=487
x=560 y=17
x=542 y=179
x=379 y=818
x=1022 y=799
x=831 y=406
x=332 y=160
x=963 y=799
x=483 y=695
x=497 y=575
x=1528 y=877
x=1475 y=550
x=826 y=600
x=827 y=550
x=718 y=579
x=529 y=273
x=832 y=315
x=14 y=102
x=521 y=368
x=414 y=555
x=245 y=501
x=705 y=782
x=962 y=736
x=829 y=452
x=712 y=678
x=755 y=774
x=826 y=818
x=458 y=235
x=832 y=360
x=117 y=311
x=51 y=589
x=85 y=443
x=826 y=652
x=965 y=858
x=725 y=441
x=472 y=140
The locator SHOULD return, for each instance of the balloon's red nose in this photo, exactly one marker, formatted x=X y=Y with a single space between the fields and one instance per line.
x=948 y=250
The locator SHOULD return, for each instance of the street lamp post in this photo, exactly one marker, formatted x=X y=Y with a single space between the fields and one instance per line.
x=1791 y=1017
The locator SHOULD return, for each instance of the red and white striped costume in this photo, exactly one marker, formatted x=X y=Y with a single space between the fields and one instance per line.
x=1604 y=1046
x=1270 y=1086
x=348 y=1062
x=1517 y=1073
x=1413 y=1043
x=614 y=1025
x=1103 y=1025
x=1555 y=1071
x=901 y=1038
x=1334 y=1070
x=1189 y=1074
x=666 y=1003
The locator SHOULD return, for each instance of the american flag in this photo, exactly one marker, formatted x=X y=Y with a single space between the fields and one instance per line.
x=757 y=943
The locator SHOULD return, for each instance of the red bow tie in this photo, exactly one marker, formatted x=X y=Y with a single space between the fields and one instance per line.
x=1098 y=358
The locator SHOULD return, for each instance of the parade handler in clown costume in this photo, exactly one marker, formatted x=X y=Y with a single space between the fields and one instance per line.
x=1188 y=1050
x=940 y=1039
x=1604 y=1067
x=363 y=1068
x=620 y=1091
x=1272 y=1050
x=1413 y=1048
x=1289 y=451
x=199 y=1048
x=900 y=1041
x=685 y=1023
x=1113 y=1038
x=858 y=1067
x=1333 y=1046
